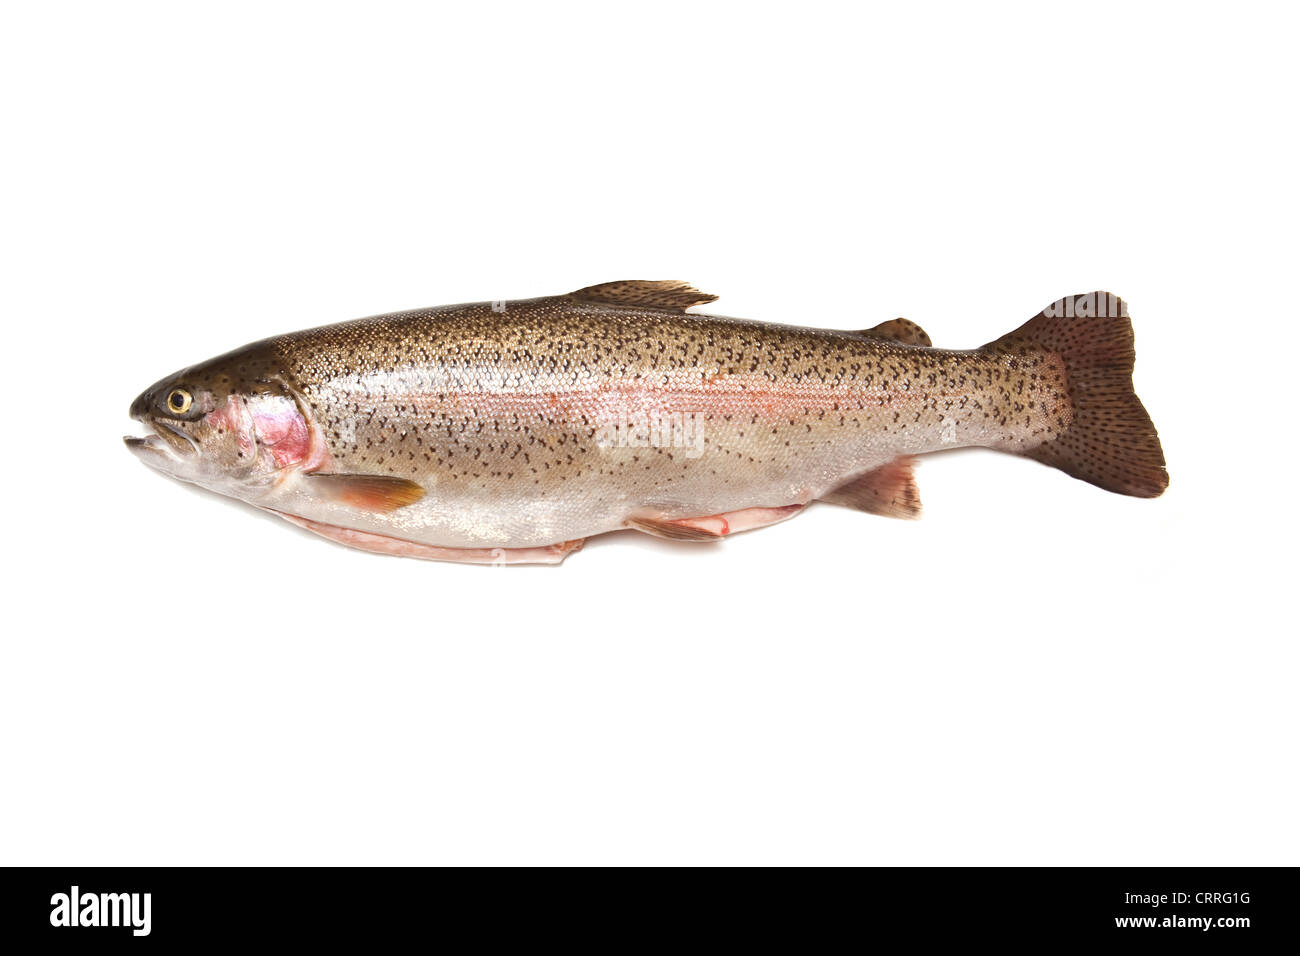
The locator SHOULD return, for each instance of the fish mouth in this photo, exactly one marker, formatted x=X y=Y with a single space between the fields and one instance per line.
x=148 y=447
x=166 y=443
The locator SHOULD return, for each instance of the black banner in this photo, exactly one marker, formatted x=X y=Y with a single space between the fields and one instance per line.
x=142 y=907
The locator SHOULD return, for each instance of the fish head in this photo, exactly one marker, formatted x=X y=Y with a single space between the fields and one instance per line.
x=233 y=424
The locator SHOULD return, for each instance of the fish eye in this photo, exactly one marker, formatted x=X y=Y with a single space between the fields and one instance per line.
x=179 y=401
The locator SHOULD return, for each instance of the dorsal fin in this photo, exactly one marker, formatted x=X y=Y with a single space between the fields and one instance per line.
x=900 y=330
x=667 y=294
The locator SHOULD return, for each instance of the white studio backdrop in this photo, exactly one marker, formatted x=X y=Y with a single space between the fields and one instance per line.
x=1035 y=672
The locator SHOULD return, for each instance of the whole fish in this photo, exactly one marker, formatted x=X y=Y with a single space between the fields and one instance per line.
x=510 y=431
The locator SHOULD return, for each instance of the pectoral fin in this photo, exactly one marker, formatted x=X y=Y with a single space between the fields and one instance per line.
x=366 y=492
x=889 y=490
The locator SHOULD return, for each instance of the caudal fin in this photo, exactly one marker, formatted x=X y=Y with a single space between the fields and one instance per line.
x=1110 y=440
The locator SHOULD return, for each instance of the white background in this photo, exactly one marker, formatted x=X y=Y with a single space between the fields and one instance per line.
x=1036 y=672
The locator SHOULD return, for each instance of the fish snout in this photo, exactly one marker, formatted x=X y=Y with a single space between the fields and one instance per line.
x=149 y=448
x=140 y=407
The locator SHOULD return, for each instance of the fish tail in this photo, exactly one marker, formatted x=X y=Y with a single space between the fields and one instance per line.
x=1109 y=440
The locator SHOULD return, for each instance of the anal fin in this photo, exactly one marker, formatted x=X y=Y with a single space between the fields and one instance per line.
x=889 y=490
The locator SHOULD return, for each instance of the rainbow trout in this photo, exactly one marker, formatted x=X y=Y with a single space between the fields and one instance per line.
x=509 y=432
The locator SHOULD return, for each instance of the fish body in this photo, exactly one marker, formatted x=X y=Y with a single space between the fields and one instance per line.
x=503 y=431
